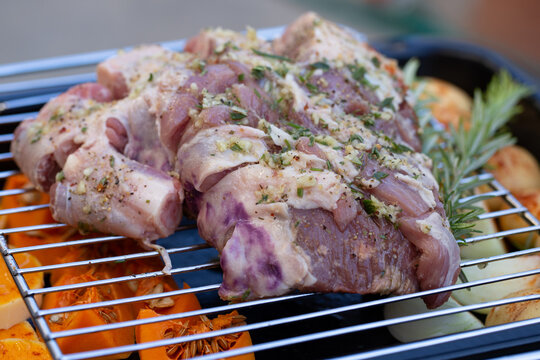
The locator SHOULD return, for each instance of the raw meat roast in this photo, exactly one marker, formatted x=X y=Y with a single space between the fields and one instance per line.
x=300 y=159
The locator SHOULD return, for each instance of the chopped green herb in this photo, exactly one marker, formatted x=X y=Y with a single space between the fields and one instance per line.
x=369 y=206
x=357 y=161
x=379 y=175
x=387 y=103
x=59 y=176
x=257 y=93
x=297 y=223
x=264 y=198
x=148 y=201
x=282 y=70
x=375 y=60
x=309 y=73
x=111 y=161
x=258 y=72
x=295 y=126
x=289 y=147
x=300 y=192
x=83 y=130
x=299 y=131
x=356 y=137
x=328 y=165
x=241 y=77
x=102 y=183
x=236 y=115
x=150 y=77
x=375 y=154
x=322 y=142
x=316 y=169
x=312 y=88
x=271 y=56
x=56 y=116
x=236 y=147
x=320 y=65
x=311 y=140
x=358 y=73
x=37 y=136
x=399 y=148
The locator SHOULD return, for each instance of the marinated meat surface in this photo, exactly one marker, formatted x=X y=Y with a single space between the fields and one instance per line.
x=299 y=158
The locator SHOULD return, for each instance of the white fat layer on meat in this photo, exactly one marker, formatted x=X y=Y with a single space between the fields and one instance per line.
x=278 y=136
x=291 y=89
x=334 y=44
x=425 y=193
x=435 y=226
x=212 y=151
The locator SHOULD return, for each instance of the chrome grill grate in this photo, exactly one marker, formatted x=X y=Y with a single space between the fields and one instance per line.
x=292 y=325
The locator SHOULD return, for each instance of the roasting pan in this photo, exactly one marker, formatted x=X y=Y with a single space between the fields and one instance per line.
x=297 y=326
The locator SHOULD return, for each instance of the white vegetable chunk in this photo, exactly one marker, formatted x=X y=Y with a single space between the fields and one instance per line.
x=427 y=328
x=498 y=290
x=485 y=248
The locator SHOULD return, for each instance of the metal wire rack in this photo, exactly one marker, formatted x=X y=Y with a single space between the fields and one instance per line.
x=294 y=326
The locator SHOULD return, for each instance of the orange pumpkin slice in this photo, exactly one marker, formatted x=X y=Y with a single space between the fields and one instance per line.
x=182 y=327
x=37 y=217
x=91 y=317
x=22 y=330
x=23 y=349
x=12 y=307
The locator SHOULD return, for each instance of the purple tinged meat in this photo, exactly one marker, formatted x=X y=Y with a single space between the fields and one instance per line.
x=378 y=260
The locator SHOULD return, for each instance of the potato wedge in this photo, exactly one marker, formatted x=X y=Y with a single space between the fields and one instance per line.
x=498 y=290
x=515 y=168
x=531 y=200
x=427 y=328
x=515 y=311
x=451 y=103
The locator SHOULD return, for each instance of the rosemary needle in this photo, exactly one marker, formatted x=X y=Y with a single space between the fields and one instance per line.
x=462 y=152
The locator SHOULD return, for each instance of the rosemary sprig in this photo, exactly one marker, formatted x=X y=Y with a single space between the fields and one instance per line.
x=462 y=152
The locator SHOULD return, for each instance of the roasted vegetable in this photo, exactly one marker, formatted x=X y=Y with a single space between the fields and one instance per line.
x=22 y=330
x=427 y=328
x=527 y=240
x=500 y=289
x=91 y=317
x=183 y=327
x=22 y=349
x=12 y=307
x=515 y=168
x=36 y=217
x=515 y=311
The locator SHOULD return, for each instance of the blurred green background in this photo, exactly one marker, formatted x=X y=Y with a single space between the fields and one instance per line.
x=35 y=29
